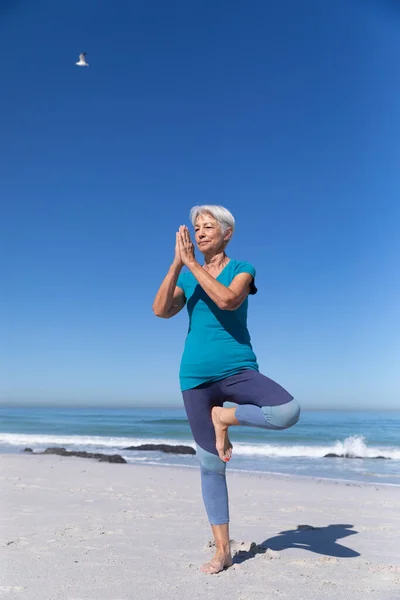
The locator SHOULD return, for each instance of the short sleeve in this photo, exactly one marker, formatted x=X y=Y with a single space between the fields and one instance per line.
x=245 y=267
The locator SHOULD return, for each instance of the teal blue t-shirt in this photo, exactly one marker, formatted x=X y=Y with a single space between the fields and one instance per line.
x=218 y=341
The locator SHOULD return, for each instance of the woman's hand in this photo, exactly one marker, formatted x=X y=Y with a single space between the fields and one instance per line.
x=177 y=258
x=186 y=246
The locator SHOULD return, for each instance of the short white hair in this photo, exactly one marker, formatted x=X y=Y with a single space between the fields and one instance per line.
x=220 y=214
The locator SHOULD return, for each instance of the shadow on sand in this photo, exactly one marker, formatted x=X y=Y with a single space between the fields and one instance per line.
x=321 y=540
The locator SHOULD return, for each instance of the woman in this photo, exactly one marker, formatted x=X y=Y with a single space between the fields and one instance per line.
x=218 y=362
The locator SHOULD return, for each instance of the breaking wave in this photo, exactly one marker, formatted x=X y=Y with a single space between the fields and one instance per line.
x=352 y=446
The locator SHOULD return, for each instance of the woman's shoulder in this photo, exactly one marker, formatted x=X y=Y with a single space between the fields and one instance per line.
x=242 y=266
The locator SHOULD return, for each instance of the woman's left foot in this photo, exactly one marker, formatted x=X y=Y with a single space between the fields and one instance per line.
x=218 y=563
x=223 y=444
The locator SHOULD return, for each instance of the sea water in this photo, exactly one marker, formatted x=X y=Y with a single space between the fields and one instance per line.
x=369 y=440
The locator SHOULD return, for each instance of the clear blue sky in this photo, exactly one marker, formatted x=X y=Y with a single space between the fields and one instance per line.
x=285 y=112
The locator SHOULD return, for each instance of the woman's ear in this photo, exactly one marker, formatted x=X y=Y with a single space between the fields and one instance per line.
x=228 y=234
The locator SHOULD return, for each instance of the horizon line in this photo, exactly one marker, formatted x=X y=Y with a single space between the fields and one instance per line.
x=175 y=407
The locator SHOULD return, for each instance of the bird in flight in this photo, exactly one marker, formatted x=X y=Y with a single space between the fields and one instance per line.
x=82 y=60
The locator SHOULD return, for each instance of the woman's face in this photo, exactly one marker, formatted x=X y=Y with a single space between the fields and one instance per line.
x=208 y=234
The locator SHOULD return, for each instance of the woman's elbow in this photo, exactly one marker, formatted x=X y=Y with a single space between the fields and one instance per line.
x=159 y=312
x=229 y=304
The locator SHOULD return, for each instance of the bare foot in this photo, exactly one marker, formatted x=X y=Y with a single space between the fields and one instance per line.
x=218 y=563
x=223 y=444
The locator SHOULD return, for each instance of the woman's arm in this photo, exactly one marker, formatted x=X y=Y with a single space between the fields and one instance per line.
x=169 y=299
x=226 y=298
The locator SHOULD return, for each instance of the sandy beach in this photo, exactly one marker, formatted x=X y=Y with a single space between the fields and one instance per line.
x=78 y=529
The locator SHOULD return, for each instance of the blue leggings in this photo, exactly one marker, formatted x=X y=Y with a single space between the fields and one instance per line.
x=262 y=403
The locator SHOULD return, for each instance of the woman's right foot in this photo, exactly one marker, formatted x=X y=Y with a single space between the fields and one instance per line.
x=218 y=563
x=223 y=444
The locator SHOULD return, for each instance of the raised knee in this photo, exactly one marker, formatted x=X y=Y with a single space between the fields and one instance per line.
x=282 y=416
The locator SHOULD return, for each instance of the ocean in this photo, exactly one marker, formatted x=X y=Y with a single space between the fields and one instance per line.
x=372 y=437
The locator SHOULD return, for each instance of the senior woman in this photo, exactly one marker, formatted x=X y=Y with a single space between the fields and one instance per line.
x=218 y=363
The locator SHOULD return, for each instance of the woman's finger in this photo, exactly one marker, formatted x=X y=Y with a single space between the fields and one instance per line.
x=187 y=235
x=182 y=244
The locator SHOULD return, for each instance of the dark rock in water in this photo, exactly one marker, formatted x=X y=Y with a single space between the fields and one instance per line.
x=164 y=448
x=333 y=455
x=112 y=458
x=28 y=450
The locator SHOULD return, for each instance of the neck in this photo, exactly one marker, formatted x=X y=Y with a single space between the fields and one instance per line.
x=217 y=260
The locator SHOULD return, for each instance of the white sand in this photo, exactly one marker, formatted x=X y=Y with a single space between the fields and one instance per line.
x=77 y=529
